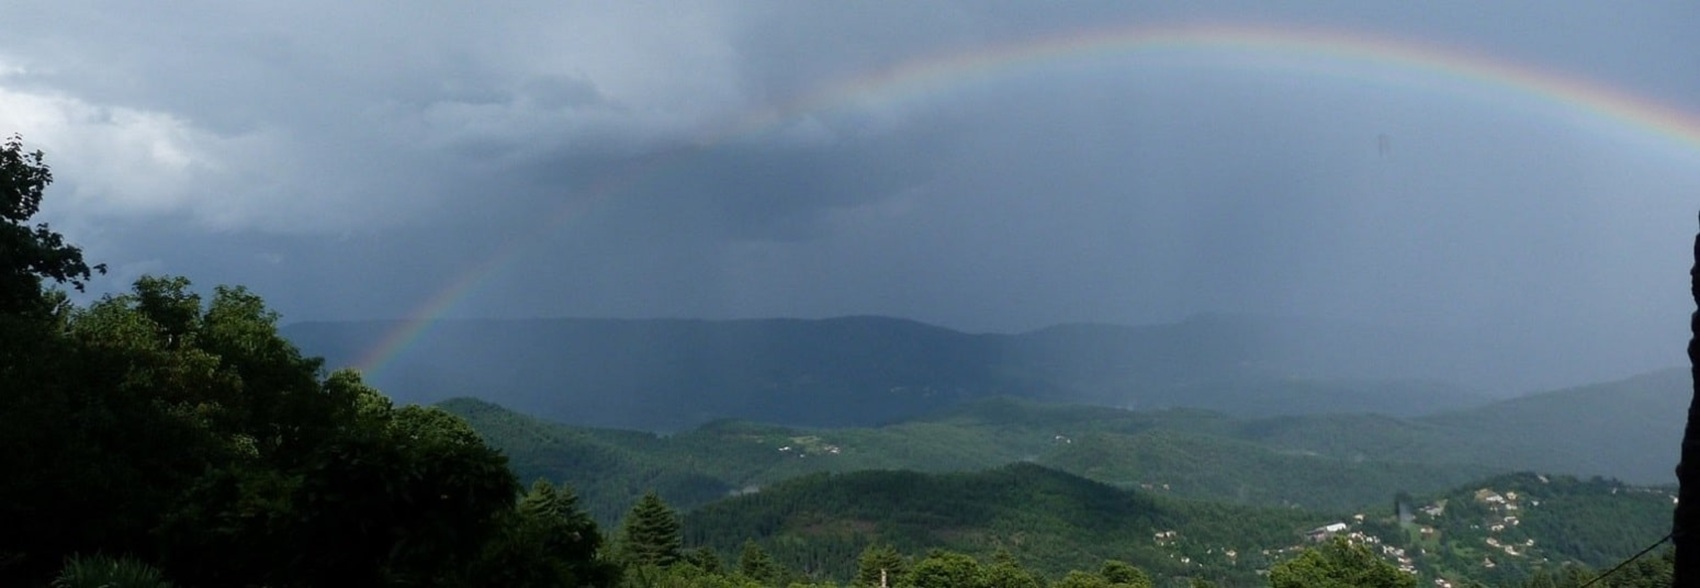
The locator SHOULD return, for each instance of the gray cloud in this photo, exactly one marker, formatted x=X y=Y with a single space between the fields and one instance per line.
x=353 y=160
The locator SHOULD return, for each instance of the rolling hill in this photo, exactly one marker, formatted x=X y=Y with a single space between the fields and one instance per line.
x=1169 y=452
x=1498 y=530
x=1627 y=429
x=1049 y=520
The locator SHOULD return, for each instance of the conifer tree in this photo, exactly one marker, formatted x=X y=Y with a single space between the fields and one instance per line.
x=876 y=562
x=756 y=564
x=650 y=534
x=704 y=559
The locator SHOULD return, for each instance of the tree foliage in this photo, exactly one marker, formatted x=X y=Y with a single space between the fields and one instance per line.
x=1338 y=564
x=945 y=569
x=101 y=571
x=879 y=565
x=180 y=428
x=30 y=254
x=755 y=564
x=650 y=534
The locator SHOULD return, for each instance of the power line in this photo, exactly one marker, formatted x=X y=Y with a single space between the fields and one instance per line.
x=1631 y=559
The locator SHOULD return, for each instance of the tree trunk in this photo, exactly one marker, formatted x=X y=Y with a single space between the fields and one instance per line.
x=1685 y=525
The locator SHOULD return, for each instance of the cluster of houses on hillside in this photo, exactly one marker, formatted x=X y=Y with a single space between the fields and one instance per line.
x=1358 y=537
x=1505 y=508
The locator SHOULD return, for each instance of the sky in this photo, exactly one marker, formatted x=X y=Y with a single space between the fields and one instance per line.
x=928 y=160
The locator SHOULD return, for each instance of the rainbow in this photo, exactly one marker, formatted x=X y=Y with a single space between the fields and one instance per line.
x=1311 y=51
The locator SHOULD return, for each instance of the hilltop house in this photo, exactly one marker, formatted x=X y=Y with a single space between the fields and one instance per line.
x=1324 y=532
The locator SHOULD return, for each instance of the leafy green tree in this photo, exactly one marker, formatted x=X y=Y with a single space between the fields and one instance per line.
x=879 y=565
x=1079 y=579
x=30 y=254
x=1338 y=564
x=394 y=496
x=208 y=444
x=1005 y=572
x=945 y=569
x=650 y=534
x=59 y=494
x=185 y=430
x=1119 y=573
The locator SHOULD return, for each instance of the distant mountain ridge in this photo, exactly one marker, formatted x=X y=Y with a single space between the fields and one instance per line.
x=672 y=374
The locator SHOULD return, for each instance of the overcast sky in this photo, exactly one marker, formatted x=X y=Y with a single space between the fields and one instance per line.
x=713 y=159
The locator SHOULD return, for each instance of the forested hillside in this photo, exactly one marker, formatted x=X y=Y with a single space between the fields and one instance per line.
x=1180 y=453
x=1504 y=529
x=1628 y=429
x=1501 y=531
x=1623 y=429
x=1050 y=521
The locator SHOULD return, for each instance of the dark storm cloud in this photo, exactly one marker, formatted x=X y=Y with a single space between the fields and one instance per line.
x=354 y=160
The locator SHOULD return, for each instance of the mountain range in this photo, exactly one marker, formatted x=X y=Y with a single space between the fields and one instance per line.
x=669 y=375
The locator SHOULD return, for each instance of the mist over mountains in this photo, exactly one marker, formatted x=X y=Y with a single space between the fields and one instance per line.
x=670 y=374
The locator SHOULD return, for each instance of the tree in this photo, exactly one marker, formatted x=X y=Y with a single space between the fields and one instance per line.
x=208 y=444
x=58 y=498
x=1005 y=572
x=1685 y=521
x=188 y=435
x=879 y=565
x=704 y=559
x=29 y=254
x=946 y=569
x=1119 y=573
x=1338 y=564
x=564 y=529
x=546 y=541
x=756 y=564
x=650 y=534
x=1079 y=579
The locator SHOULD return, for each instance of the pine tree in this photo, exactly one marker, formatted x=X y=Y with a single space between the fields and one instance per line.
x=568 y=531
x=650 y=534
x=876 y=562
x=704 y=559
x=756 y=564
x=565 y=534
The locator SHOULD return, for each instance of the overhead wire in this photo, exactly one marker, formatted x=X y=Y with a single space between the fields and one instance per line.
x=1631 y=559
